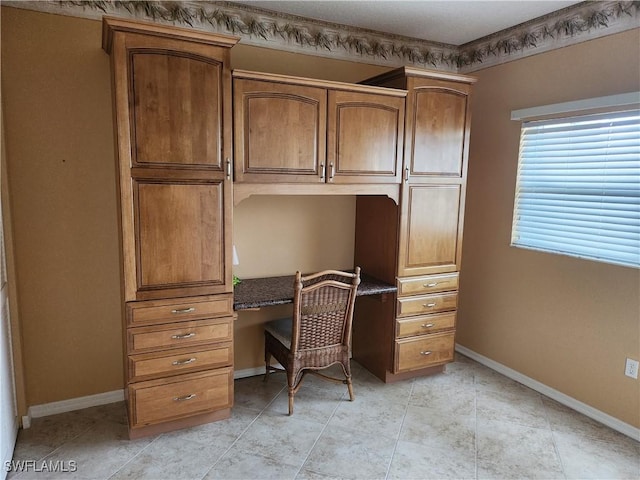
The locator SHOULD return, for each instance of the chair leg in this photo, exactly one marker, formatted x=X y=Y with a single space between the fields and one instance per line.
x=292 y=390
x=350 y=387
x=290 y=403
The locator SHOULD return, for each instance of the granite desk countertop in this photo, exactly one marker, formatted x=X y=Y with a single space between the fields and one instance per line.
x=265 y=292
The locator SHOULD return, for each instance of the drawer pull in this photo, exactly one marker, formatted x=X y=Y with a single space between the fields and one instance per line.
x=428 y=325
x=427 y=352
x=430 y=284
x=183 y=310
x=185 y=362
x=428 y=305
x=183 y=336
x=186 y=397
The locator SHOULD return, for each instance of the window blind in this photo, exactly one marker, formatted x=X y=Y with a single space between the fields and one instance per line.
x=578 y=187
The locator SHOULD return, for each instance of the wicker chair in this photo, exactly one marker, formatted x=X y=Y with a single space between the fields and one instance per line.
x=319 y=334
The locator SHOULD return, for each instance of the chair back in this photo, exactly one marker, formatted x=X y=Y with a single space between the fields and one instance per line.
x=323 y=309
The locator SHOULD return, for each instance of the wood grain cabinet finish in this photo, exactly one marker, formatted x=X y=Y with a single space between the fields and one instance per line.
x=427 y=234
x=296 y=130
x=174 y=159
x=172 y=96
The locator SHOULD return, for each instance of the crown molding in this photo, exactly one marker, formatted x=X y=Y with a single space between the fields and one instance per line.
x=264 y=28
x=569 y=26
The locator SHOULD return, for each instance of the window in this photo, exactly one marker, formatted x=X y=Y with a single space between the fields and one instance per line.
x=578 y=187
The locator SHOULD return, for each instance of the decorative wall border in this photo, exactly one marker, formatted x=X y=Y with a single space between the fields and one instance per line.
x=579 y=23
x=264 y=28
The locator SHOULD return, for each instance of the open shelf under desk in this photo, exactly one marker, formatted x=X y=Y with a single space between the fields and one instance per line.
x=255 y=293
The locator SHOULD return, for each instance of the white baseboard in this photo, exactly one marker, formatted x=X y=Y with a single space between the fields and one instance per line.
x=53 y=408
x=248 y=372
x=556 y=395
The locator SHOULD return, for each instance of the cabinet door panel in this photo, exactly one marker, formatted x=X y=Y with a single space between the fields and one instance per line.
x=176 y=109
x=430 y=229
x=364 y=137
x=279 y=132
x=439 y=132
x=180 y=238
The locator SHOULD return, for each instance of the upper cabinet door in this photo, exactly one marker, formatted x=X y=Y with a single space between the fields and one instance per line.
x=439 y=129
x=430 y=229
x=181 y=233
x=170 y=105
x=364 y=137
x=177 y=109
x=280 y=132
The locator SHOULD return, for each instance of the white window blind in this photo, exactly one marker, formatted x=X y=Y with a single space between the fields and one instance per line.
x=578 y=188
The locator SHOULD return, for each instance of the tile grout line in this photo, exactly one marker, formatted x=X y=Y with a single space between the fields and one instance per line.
x=553 y=437
x=320 y=435
x=243 y=432
x=135 y=456
x=395 y=447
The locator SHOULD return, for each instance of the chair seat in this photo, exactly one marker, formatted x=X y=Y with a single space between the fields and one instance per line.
x=281 y=330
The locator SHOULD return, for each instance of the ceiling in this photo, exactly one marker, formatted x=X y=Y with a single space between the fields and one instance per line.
x=453 y=22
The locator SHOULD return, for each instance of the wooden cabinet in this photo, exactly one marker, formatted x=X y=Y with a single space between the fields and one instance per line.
x=430 y=228
x=427 y=234
x=172 y=92
x=295 y=130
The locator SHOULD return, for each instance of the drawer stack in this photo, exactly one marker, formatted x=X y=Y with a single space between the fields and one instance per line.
x=425 y=321
x=179 y=359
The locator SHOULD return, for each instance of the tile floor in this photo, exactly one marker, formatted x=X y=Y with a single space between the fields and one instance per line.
x=468 y=422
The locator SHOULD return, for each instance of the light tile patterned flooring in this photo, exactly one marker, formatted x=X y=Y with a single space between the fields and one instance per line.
x=468 y=422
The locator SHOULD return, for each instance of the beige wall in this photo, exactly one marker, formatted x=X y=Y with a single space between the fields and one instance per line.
x=566 y=322
x=57 y=113
x=57 y=96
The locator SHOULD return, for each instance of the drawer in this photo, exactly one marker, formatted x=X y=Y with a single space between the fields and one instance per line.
x=427 y=284
x=438 y=302
x=180 y=396
x=171 y=362
x=424 y=324
x=169 y=311
x=424 y=351
x=174 y=335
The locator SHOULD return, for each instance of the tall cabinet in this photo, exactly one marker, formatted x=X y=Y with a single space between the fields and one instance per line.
x=172 y=114
x=421 y=237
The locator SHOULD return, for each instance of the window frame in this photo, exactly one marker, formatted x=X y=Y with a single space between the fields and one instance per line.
x=536 y=119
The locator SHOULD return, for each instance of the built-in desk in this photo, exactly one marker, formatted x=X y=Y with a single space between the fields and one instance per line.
x=265 y=292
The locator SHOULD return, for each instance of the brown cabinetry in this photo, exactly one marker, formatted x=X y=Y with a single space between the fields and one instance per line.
x=427 y=236
x=172 y=92
x=295 y=130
